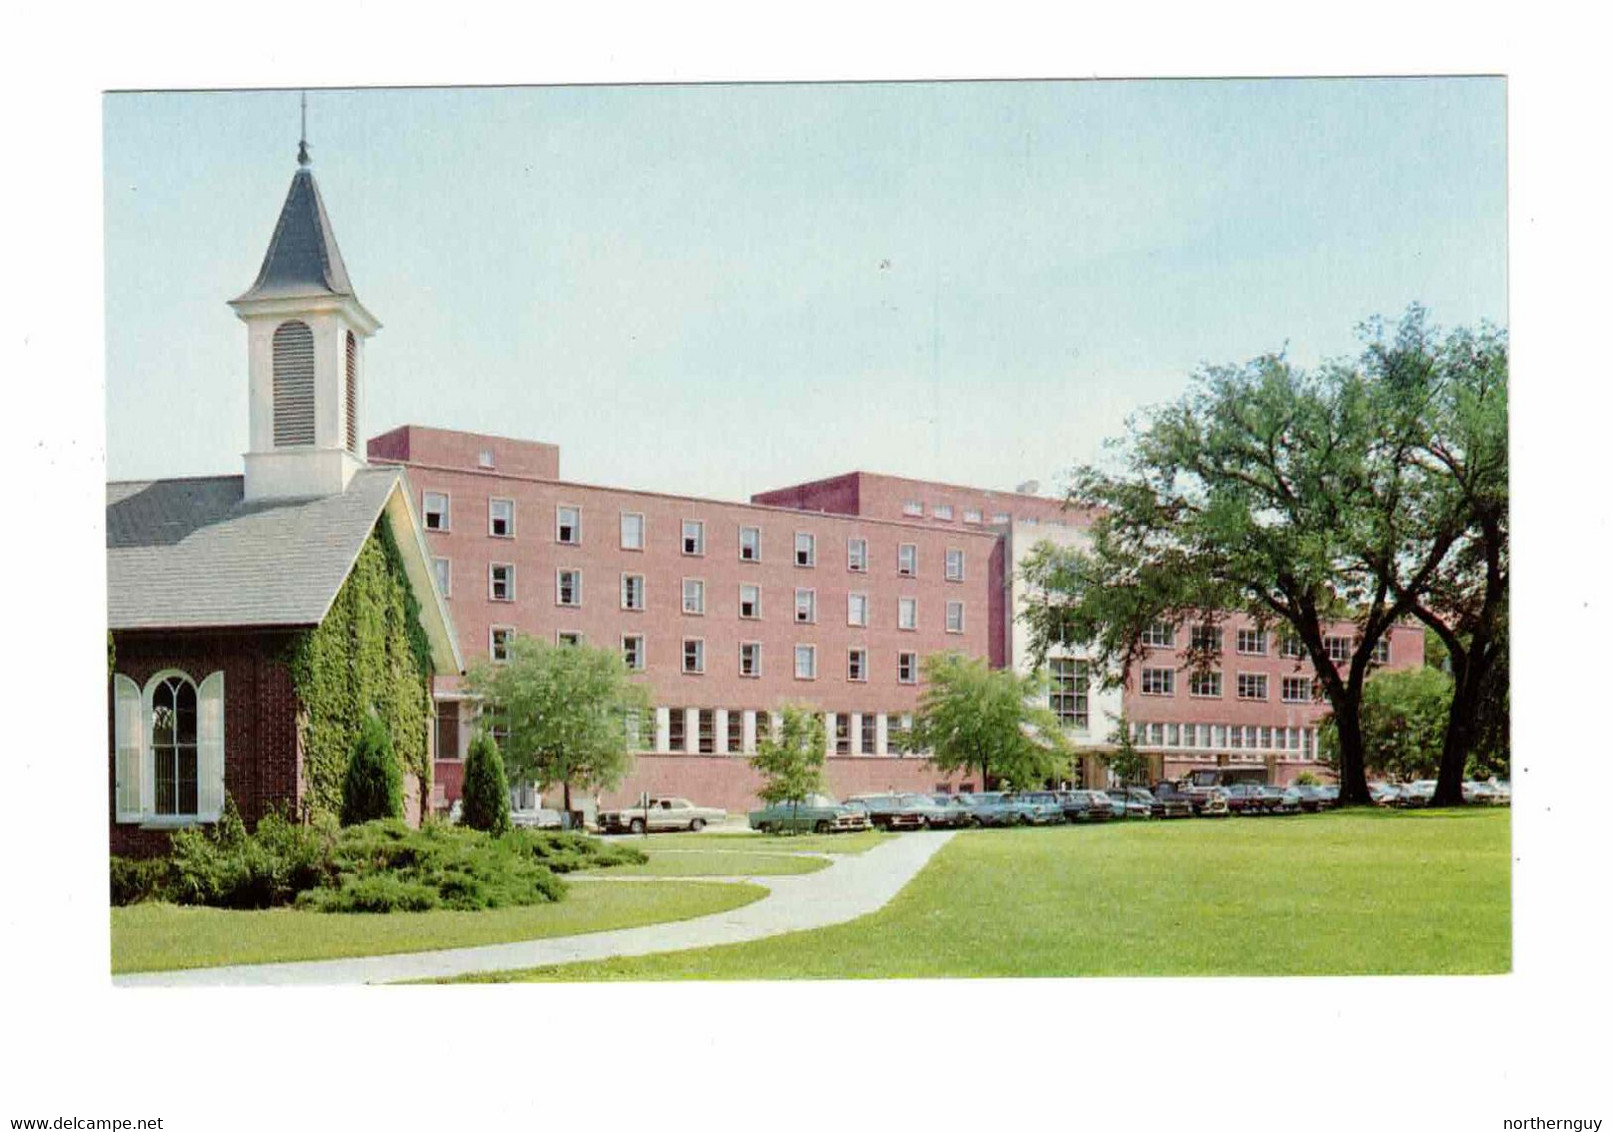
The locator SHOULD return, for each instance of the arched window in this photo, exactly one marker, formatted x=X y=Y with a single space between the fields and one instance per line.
x=293 y=384
x=352 y=393
x=173 y=746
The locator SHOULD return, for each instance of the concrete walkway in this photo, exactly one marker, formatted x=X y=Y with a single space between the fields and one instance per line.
x=852 y=886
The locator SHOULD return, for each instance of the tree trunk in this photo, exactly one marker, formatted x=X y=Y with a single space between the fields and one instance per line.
x=1352 y=789
x=1458 y=736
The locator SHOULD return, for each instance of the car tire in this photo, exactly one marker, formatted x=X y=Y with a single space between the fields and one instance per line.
x=696 y=825
x=820 y=827
x=636 y=825
x=767 y=828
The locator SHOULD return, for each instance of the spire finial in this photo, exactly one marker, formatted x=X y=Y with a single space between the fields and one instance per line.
x=302 y=146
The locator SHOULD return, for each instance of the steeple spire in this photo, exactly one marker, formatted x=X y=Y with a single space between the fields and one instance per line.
x=302 y=146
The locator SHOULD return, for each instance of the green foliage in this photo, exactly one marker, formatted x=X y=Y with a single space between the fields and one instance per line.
x=134 y=881
x=226 y=867
x=565 y=713
x=369 y=657
x=373 y=787
x=566 y=852
x=792 y=765
x=485 y=793
x=1125 y=762
x=385 y=866
x=1402 y=719
x=1305 y=778
x=973 y=717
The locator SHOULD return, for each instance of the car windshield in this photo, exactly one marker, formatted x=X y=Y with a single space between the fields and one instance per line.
x=988 y=799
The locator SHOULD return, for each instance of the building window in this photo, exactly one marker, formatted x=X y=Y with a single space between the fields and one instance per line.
x=856 y=555
x=1265 y=738
x=750 y=602
x=1292 y=647
x=907 y=560
x=749 y=658
x=856 y=610
x=293 y=385
x=1206 y=638
x=1158 y=681
x=805 y=606
x=856 y=665
x=568 y=587
x=1296 y=689
x=1159 y=636
x=632 y=591
x=907 y=613
x=707 y=735
x=954 y=617
x=568 y=637
x=805 y=549
x=693 y=655
x=676 y=729
x=1068 y=692
x=434 y=507
x=693 y=536
x=954 y=565
x=443 y=569
x=632 y=530
x=498 y=639
x=1337 y=648
x=1250 y=642
x=842 y=733
x=693 y=596
x=501 y=518
x=749 y=544
x=913 y=509
x=632 y=651
x=1379 y=651
x=447 y=728
x=501 y=581
x=870 y=732
x=805 y=662
x=1251 y=686
x=174 y=747
x=943 y=511
x=568 y=525
x=1001 y=518
x=906 y=668
x=1204 y=685
x=735 y=729
x=972 y=515
x=484 y=458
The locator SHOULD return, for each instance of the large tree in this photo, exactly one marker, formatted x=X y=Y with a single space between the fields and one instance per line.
x=973 y=717
x=1299 y=498
x=565 y=714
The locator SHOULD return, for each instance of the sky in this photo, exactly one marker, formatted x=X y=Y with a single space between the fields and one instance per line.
x=720 y=289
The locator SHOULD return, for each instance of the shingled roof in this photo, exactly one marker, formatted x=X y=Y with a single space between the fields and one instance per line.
x=190 y=553
x=302 y=259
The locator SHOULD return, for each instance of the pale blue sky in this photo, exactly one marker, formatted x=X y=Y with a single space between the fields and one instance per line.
x=722 y=289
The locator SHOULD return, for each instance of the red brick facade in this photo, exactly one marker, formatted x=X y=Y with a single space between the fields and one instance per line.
x=262 y=767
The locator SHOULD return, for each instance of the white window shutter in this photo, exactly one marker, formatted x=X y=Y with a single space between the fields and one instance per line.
x=128 y=721
x=210 y=747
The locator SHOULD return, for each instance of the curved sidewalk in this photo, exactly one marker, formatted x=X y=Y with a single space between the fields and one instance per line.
x=852 y=886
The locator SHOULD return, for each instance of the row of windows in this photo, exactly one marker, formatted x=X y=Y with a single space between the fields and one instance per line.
x=1226 y=737
x=864 y=729
x=693 y=656
x=914 y=509
x=1256 y=642
x=568 y=530
x=1250 y=686
x=568 y=592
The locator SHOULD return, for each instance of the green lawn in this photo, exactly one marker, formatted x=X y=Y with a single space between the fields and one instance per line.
x=1350 y=893
x=159 y=937
x=706 y=863
x=858 y=842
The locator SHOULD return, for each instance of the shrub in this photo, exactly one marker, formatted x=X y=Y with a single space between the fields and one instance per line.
x=135 y=880
x=568 y=852
x=228 y=868
x=374 y=784
x=372 y=892
x=485 y=793
x=1305 y=778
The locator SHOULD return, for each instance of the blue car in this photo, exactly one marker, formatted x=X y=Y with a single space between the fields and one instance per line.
x=1039 y=807
x=990 y=808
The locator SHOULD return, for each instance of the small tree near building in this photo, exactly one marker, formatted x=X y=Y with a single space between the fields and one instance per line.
x=792 y=765
x=373 y=787
x=972 y=717
x=485 y=795
x=1125 y=763
x=1403 y=715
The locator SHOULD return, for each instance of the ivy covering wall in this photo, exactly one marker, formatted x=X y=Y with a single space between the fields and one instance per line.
x=370 y=654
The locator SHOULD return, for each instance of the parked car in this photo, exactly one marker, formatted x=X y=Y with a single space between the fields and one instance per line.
x=1247 y=799
x=1086 y=806
x=1310 y=798
x=1283 y=800
x=662 y=814
x=536 y=819
x=816 y=812
x=1201 y=801
x=1173 y=807
x=990 y=807
x=1418 y=793
x=1384 y=793
x=949 y=812
x=890 y=811
x=1128 y=805
x=1038 y=807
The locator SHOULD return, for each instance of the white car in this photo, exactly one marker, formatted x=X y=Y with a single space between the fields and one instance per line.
x=663 y=813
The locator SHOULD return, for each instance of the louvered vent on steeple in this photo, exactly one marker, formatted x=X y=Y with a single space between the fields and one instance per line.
x=293 y=385
x=352 y=393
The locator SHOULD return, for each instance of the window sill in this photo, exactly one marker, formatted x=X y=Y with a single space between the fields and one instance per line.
x=175 y=822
